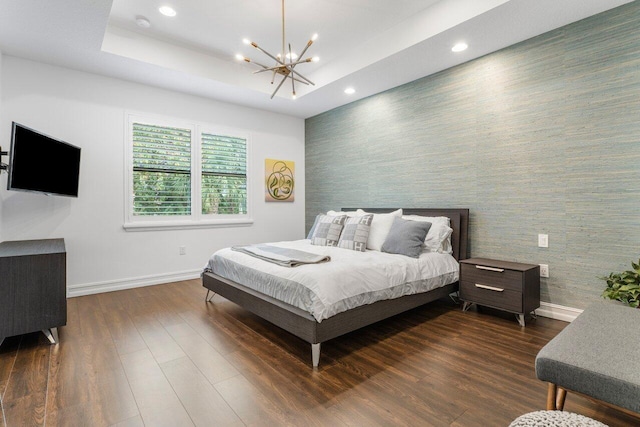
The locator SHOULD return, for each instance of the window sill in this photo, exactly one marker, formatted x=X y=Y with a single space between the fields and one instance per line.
x=186 y=225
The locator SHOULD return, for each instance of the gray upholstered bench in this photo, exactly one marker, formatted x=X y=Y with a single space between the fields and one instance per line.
x=597 y=355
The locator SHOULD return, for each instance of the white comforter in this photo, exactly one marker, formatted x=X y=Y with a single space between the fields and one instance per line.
x=349 y=280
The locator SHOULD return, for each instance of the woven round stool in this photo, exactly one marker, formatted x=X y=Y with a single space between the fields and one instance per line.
x=555 y=419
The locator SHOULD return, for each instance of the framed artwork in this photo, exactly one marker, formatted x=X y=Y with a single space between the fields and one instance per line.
x=279 y=180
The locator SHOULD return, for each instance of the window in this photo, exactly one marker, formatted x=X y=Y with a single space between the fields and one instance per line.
x=161 y=170
x=185 y=175
x=224 y=174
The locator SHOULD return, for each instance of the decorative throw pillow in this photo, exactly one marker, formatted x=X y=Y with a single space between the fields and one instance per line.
x=439 y=236
x=355 y=233
x=313 y=227
x=406 y=237
x=330 y=213
x=328 y=229
x=380 y=227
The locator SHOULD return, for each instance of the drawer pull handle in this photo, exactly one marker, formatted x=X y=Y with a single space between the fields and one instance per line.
x=482 y=267
x=490 y=288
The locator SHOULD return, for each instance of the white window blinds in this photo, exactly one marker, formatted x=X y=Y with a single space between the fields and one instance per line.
x=161 y=170
x=224 y=174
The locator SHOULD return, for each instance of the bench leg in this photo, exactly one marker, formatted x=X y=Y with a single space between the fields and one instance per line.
x=562 y=395
x=551 y=397
x=555 y=398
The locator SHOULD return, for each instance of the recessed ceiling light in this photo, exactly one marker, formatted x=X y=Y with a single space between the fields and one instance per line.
x=459 y=47
x=349 y=91
x=142 y=22
x=167 y=11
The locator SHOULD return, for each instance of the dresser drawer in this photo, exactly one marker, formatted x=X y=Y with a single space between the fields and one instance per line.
x=497 y=277
x=491 y=295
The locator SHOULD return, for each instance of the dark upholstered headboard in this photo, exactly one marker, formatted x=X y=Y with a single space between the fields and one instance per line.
x=459 y=223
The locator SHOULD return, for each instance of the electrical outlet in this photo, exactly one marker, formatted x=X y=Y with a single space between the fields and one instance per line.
x=544 y=270
x=183 y=250
x=543 y=240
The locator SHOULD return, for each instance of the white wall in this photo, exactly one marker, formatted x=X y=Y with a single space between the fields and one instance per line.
x=89 y=111
x=2 y=143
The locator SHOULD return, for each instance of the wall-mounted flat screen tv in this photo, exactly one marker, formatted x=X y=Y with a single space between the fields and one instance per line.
x=42 y=164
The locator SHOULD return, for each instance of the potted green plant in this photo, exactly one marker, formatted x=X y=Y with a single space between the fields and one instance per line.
x=624 y=286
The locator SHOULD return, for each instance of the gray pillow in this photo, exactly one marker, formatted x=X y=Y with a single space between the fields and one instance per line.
x=406 y=237
x=355 y=233
x=328 y=229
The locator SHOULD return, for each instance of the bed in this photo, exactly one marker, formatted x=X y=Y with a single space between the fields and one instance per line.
x=304 y=325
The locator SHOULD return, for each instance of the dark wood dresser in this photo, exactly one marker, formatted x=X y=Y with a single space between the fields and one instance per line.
x=33 y=287
x=508 y=286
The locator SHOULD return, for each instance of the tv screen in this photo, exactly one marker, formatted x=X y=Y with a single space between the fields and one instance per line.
x=42 y=164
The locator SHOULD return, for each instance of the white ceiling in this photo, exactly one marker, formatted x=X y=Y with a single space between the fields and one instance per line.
x=371 y=45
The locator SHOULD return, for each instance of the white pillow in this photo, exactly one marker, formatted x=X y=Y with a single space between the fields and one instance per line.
x=439 y=236
x=347 y=213
x=446 y=247
x=380 y=227
x=434 y=220
x=440 y=240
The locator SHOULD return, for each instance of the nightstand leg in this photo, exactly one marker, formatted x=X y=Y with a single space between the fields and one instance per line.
x=520 y=318
x=51 y=334
x=466 y=305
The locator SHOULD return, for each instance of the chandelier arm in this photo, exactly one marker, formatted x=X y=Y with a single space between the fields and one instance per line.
x=278 y=88
x=273 y=76
x=303 y=77
x=298 y=80
x=257 y=64
x=300 y=62
x=274 y=70
x=293 y=81
x=275 y=67
x=267 y=53
x=305 y=48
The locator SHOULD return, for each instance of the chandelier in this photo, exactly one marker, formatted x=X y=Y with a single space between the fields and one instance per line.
x=285 y=64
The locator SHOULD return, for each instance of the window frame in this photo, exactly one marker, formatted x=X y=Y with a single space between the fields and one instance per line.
x=196 y=219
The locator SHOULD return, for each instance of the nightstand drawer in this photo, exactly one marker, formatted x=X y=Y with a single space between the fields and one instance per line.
x=491 y=276
x=491 y=295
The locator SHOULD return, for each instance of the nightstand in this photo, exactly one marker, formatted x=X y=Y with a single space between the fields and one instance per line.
x=508 y=286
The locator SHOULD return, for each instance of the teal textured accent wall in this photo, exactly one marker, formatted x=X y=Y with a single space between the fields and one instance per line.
x=540 y=137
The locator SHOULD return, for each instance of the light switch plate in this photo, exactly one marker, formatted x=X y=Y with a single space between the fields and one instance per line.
x=543 y=240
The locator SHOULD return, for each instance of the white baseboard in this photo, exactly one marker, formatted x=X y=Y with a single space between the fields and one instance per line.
x=130 y=283
x=558 y=312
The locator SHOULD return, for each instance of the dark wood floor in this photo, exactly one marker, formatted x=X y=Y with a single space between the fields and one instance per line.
x=161 y=356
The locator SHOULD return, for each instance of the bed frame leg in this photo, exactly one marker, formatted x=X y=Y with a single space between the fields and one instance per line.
x=207 y=298
x=315 y=354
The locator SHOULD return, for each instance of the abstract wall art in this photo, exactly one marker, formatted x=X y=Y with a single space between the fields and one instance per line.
x=279 y=180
